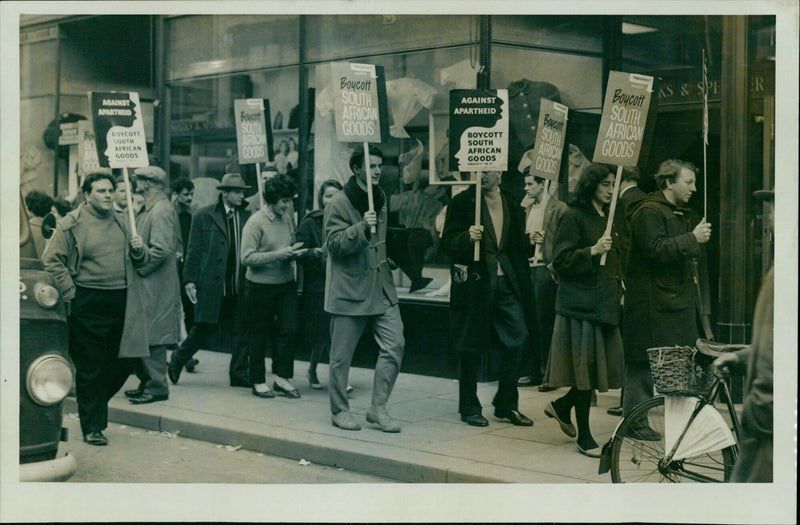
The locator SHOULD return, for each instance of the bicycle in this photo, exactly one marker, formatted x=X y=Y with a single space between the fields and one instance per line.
x=679 y=435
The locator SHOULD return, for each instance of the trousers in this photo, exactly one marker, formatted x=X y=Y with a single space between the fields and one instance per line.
x=264 y=302
x=95 y=332
x=345 y=332
x=638 y=385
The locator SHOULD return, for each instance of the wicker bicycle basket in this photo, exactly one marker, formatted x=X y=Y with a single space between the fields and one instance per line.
x=680 y=370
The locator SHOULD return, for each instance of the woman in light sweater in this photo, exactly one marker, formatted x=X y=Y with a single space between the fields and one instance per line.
x=268 y=252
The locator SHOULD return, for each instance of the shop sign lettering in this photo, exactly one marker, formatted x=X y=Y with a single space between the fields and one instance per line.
x=118 y=129
x=546 y=157
x=479 y=129
x=624 y=118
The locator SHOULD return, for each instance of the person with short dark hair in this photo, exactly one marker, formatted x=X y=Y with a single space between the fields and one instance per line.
x=360 y=291
x=183 y=192
x=61 y=207
x=39 y=204
x=268 y=252
x=660 y=301
x=586 y=350
x=93 y=257
x=316 y=332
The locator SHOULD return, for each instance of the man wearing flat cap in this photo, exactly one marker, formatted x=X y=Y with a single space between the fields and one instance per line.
x=214 y=280
x=157 y=223
x=754 y=464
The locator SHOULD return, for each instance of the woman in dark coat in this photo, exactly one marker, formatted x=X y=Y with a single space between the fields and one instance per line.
x=586 y=349
x=316 y=321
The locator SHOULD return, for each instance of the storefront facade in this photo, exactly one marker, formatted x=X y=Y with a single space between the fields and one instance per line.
x=189 y=69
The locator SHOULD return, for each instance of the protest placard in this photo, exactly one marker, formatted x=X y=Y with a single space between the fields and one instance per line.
x=360 y=107
x=253 y=136
x=622 y=127
x=549 y=144
x=251 y=129
x=118 y=129
x=87 y=152
x=479 y=129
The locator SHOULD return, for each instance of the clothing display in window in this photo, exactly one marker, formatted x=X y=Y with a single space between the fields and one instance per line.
x=331 y=157
x=406 y=96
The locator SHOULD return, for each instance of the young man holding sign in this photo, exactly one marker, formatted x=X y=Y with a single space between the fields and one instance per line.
x=660 y=303
x=359 y=291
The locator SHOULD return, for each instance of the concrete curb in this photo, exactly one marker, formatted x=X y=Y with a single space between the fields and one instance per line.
x=370 y=458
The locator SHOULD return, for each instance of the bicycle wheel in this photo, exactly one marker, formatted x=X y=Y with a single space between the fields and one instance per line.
x=638 y=452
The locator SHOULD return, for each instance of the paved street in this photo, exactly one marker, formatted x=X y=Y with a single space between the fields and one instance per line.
x=137 y=455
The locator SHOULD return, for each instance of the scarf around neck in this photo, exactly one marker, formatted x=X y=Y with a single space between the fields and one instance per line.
x=358 y=197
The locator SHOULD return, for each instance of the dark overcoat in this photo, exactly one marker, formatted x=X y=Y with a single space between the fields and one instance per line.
x=157 y=223
x=207 y=257
x=473 y=283
x=586 y=290
x=660 y=299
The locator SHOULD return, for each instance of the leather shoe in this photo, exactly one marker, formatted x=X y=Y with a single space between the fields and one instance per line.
x=136 y=392
x=266 y=394
x=515 y=417
x=475 y=420
x=95 y=438
x=525 y=381
x=174 y=372
x=313 y=381
x=239 y=382
x=190 y=364
x=345 y=421
x=589 y=452
x=378 y=415
x=148 y=398
x=546 y=388
x=614 y=411
x=291 y=393
x=566 y=426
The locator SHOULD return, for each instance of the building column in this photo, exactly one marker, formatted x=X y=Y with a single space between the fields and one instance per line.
x=733 y=326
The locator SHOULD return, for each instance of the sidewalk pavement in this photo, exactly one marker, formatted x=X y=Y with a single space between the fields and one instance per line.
x=434 y=446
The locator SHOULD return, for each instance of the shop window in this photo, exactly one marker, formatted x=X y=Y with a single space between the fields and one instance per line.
x=569 y=33
x=210 y=45
x=202 y=126
x=337 y=37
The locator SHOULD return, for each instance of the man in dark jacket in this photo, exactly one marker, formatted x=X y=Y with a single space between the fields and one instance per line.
x=754 y=464
x=487 y=296
x=214 y=279
x=660 y=300
x=183 y=191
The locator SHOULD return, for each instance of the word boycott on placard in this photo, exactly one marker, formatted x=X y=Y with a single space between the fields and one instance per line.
x=624 y=118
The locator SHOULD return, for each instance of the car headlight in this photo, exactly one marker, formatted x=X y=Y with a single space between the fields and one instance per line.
x=46 y=295
x=49 y=379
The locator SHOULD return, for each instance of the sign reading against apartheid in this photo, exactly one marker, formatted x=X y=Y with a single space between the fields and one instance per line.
x=251 y=129
x=118 y=129
x=479 y=129
x=360 y=105
x=87 y=152
x=624 y=118
x=546 y=158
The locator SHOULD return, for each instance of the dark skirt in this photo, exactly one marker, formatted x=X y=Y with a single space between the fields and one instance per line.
x=585 y=355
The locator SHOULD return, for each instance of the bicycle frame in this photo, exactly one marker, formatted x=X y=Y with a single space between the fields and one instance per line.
x=667 y=464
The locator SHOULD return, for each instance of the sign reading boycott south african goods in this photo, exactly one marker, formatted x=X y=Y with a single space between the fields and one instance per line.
x=251 y=130
x=118 y=129
x=546 y=158
x=479 y=129
x=624 y=117
x=360 y=107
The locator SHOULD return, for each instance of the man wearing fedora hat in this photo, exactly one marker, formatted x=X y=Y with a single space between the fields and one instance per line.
x=157 y=223
x=214 y=279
